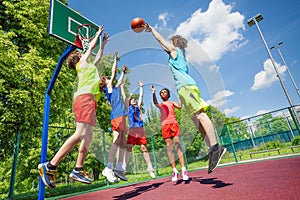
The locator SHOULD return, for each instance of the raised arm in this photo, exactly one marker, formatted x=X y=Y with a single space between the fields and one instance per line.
x=93 y=43
x=167 y=46
x=177 y=105
x=124 y=70
x=114 y=68
x=125 y=100
x=100 y=51
x=141 y=84
x=154 y=96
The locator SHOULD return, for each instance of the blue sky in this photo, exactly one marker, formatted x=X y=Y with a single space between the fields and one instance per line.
x=227 y=57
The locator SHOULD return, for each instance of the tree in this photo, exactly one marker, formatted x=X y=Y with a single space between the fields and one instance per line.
x=28 y=59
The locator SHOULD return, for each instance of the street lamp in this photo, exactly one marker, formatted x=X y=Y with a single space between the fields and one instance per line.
x=287 y=68
x=251 y=22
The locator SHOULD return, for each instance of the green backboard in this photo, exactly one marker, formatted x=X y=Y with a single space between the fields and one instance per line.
x=63 y=22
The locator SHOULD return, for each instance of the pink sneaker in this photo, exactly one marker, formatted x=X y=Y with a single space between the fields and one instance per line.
x=174 y=176
x=151 y=173
x=185 y=176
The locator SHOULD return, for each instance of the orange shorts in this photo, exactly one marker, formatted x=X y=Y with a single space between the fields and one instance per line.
x=137 y=136
x=119 y=124
x=84 y=108
x=170 y=130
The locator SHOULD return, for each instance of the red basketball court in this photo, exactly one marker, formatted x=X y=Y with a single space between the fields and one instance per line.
x=264 y=179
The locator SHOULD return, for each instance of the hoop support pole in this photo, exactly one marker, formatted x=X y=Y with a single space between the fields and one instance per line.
x=43 y=155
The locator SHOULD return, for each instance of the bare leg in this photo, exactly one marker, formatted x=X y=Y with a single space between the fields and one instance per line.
x=148 y=161
x=145 y=154
x=206 y=128
x=127 y=155
x=122 y=147
x=177 y=144
x=170 y=152
x=114 y=147
x=69 y=144
x=84 y=147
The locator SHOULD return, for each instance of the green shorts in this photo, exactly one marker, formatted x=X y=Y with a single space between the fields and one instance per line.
x=190 y=96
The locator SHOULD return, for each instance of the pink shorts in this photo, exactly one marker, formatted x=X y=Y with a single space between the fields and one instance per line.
x=119 y=124
x=137 y=136
x=84 y=108
x=170 y=130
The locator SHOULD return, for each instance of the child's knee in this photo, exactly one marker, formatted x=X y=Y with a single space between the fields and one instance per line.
x=129 y=148
x=86 y=141
x=169 y=147
x=122 y=145
x=144 y=149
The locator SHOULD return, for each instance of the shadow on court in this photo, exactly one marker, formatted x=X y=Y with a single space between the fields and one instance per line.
x=138 y=191
x=275 y=179
x=211 y=181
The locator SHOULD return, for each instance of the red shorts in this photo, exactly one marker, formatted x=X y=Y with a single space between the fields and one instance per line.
x=119 y=124
x=170 y=130
x=137 y=136
x=84 y=108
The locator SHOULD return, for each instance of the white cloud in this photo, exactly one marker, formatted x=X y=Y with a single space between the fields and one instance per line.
x=231 y=110
x=267 y=76
x=219 y=99
x=164 y=18
x=216 y=30
x=262 y=112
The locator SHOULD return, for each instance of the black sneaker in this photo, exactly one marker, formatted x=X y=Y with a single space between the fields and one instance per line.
x=215 y=157
x=121 y=174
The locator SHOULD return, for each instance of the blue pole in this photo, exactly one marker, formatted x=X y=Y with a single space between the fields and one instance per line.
x=41 y=192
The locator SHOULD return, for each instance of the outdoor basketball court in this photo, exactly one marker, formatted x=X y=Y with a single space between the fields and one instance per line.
x=269 y=179
x=265 y=179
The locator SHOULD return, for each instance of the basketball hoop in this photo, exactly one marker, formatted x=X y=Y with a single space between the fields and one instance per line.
x=84 y=34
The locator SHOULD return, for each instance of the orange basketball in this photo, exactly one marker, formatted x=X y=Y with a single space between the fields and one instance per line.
x=136 y=25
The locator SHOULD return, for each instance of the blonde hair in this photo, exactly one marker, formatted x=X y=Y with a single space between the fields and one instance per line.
x=179 y=41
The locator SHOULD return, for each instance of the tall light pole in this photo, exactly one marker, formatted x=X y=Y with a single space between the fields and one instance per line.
x=251 y=22
x=287 y=68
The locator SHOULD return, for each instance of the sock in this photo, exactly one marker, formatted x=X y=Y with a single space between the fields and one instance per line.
x=175 y=170
x=119 y=165
x=124 y=166
x=213 y=147
x=150 y=165
x=110 y=165
x=78 y=169
x=51 y=167
x=183 y=169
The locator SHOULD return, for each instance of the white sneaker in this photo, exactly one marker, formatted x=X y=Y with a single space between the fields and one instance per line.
x=109 y=174
x=185 y=176
x=151 y=172
x=174 y=176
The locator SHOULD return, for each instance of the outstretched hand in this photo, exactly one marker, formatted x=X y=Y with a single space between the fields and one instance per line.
x=99 y=32
x=105 y=38
x=141 y=84
x=147 y=27
x=153 y=89
x=116 y=57
x=124 y=69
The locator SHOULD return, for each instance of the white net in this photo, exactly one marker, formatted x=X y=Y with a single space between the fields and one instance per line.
x=86 y=33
